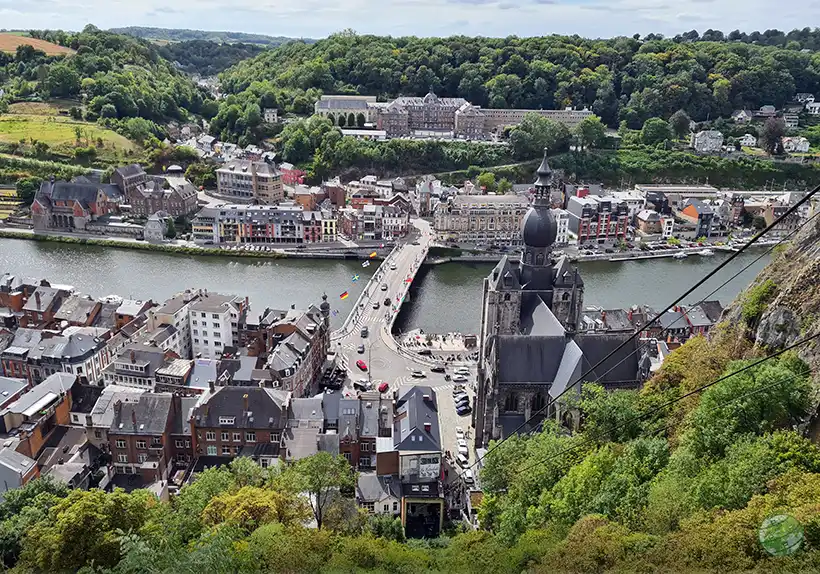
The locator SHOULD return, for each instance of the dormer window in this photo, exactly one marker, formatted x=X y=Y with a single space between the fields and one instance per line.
x=227 y=420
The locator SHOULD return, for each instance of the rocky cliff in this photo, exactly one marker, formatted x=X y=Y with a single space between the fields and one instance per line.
x=782 y=305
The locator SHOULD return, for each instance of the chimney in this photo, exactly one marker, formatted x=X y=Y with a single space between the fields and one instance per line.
x=133 y=356
x=37 y=298
x=117 y=407
x=603 y=316
x=428 y=427
x=245 y=401
x=134 y=418
x=211 y=386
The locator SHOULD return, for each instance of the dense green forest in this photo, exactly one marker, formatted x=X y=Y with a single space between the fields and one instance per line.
x=207 y=58
x=650 y=483
x=117 y=76
x=182 y=35
x=620 y=78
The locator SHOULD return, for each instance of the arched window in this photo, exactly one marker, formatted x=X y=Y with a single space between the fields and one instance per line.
x=539 y=259
x=538 y=403
x=511 y=404
x=565 y=296
x=528 y=257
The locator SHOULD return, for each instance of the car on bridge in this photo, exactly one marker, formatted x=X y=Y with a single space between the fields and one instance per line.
x=361 y=364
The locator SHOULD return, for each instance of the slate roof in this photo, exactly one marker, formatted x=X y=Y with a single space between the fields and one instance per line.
x=349 y=419
x=621 y=368
x=713 y=310
x=132 y=307
x=147 y=417
x=412 y=412
x=373 y=488
x=266 y=408
x=330 y=406
x=673 y=320
x=529 y=359
x=48 y=297
x=181 y=421
x=15 y=461
x=10 y=386
x=697 y=317
x=342 y=104
x=103 y=412
x=306 y=411
x=76 y=309
x=130 y=170
x=301 y=442
x=84 y=397
x=55 y=384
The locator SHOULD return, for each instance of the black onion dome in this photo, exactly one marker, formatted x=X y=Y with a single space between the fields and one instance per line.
x=540 y=228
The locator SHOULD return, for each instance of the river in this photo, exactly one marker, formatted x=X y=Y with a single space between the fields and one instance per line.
x=445 y=297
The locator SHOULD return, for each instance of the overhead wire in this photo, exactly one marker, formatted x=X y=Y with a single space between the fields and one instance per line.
x=693 y=392
x=635 y=335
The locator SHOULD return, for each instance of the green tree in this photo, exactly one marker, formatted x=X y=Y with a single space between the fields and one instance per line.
x=771 y=135
x=62 y=81
x=679 y=123
x=170 y=229
x=251 y=507
x=323 y=476
x=536 y=133
x=386 y=526
x=590 y=132
x=504 y=185
x=27 y=188
x=486 y=181
x=202 y=174
x=655 y=131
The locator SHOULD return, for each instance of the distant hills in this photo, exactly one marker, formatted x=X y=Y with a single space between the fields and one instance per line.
x=181 y=35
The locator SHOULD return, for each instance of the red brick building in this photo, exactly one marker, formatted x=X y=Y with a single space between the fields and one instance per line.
x=139 y=436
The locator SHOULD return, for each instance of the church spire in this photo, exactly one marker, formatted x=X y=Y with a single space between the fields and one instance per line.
x=544 y=182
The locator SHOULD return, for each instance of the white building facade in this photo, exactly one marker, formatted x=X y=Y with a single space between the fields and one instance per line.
x=562 y=219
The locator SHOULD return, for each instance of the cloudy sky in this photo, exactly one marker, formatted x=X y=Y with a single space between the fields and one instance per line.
x=317 y=18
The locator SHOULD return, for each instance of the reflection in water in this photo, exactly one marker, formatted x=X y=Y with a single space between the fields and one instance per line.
x=444 y=297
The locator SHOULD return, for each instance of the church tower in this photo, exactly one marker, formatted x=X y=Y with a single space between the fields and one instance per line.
x=539 y=231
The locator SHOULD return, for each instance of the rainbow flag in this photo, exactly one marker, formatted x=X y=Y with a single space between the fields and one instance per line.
x=372 y=255
x=344 y=295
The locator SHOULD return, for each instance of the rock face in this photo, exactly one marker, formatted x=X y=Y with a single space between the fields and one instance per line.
x=793 y=311
x=778 y=328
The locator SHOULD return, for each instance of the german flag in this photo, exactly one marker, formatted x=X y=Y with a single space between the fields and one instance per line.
x=344 y=295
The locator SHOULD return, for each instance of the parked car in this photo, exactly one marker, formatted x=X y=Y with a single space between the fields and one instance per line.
x=463 y=448
x=361 y=364
x=461 y=400
x=360 y=349
x=392 y=267
x=364 y=332
x=383 y=387
x=463 y=410
x=462 y=371
x=384 y=286
x=362 y=385
x=467 y=476
x=460 y=379
x=462 y=460
x=419 y=374
x=459 y=433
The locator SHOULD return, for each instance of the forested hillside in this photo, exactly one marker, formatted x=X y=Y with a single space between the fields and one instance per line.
x=183 y=34
x=117 y=76
x=207 y=58
x=619 y=78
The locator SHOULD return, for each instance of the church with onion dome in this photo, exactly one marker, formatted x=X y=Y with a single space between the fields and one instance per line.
x=530 y=350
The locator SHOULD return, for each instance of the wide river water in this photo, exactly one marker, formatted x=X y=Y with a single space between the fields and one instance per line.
x=445 y=297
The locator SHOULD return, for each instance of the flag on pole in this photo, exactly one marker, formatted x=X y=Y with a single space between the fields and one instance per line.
x=335 y=312
x=355 y=277
x=372 y=255
x=408 y=280
x=366 y=264
x=344 y=295
x=381 y=246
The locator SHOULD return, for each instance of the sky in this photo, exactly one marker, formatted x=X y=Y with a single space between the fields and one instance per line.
x=318 y=18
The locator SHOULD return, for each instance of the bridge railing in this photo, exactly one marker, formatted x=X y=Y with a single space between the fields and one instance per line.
x=344 y=330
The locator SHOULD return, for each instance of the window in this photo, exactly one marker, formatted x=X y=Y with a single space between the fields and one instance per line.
x=369 y=506
x=187 y=443
x=348 y=456
x=226 y=450
x=395 y=506
x=142 y=457
x=202 y=315
x=210 y=435
x=141 y=444
x=214 y=316
x=365 y=447
x=196 y=341
x=226 y=436
x=179 y=444
x=128 y=470
x=97 y=434
x=250 y=436
x=194 y=322
x=211 y=450
x=120 y=443
x=237 y=437
x=364 y=461
x=227 y=421
x=274 y=437
x=196 y=332
x=122 y=458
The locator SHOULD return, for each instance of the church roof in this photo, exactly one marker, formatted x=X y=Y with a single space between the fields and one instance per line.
x=537 y=319
x=539 y=228
x=621 y=368
x=529 y=359
x=544 y=172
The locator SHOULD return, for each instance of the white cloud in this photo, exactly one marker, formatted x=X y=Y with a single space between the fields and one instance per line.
x=317 y=18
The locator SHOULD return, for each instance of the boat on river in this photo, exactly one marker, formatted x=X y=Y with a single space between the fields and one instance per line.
x=706 y=252
x=680 y=255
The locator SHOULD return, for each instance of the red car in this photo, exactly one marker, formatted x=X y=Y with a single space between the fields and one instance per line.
x=361 y=364
x=383 y=387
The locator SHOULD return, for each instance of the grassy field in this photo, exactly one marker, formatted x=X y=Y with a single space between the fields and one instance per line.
x=9 y=43
x=49 y=108
x=8 y=202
